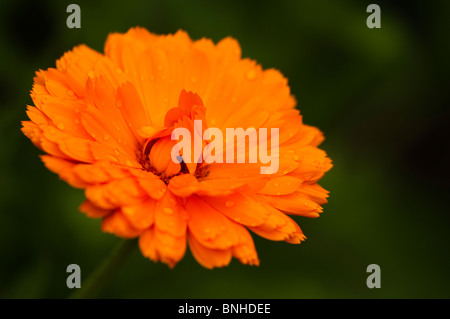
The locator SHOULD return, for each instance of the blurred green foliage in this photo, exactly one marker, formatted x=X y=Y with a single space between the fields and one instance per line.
x=379 y=95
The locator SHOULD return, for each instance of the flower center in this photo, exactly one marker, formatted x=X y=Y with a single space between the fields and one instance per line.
x=155 y=157
x=156 y=153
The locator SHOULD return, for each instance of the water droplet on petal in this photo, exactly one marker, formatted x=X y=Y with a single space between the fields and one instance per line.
x=113 y=158
x=194 y=79
x=60 y=125
x=296 y=157
x=119 y=103
x=116 y=151
x=106 y=137
x=70 y=93
x=167 y=210
x=128 y=163
x=76 y=121
x=251 y=75
x=91 y=74
x=76 y=110
x=160 y=67
x=207 y=230
x=276 y=184
x=229 y=203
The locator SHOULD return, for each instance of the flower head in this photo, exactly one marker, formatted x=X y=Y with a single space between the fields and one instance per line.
x=106 y=123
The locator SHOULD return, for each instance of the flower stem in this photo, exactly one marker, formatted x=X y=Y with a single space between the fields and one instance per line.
x=98 y=280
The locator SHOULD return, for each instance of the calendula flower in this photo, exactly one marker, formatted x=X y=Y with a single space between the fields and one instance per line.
x=106 y=123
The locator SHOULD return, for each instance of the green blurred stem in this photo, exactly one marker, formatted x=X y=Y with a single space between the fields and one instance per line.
x=99 y=279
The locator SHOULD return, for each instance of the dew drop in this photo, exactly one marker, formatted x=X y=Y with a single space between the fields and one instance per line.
x=233 y=100
x=160 y=67
x=60 y=125
x=91 y=74
x=128 y=163
x=194 y=79
x=276 y=184
x=70 y=93
x=76 y=121
x=119 y=70
x=296 y=157
x=116 y=151
x=76 y=110
x=288 y=184
x=229 y=203
x=251 y=75
x=207 y=230
x=119 y=103
x=106 y=137
x=113 y=158
x=152 y=77
x=168 y=210
x=285 y=172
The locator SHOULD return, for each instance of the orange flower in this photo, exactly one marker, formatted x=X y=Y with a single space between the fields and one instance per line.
x=105 y=122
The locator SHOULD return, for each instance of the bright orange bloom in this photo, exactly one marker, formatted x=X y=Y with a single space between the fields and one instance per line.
x=105 y=121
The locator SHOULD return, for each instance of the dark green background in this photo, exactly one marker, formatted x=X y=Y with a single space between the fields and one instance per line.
x=381 y=96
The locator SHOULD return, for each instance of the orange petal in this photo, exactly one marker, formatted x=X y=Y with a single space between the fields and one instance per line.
x=208 y=258
x=240 y=208
x=315 y=192
x=279 y=226
x=210 y=228
x=281 y=185
x=295 y=203
x=245 y=251
x=141 y=216
x=93 y=211
x=160 y=246
x=170 y=216
x=314 y=163
x=117 y=224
